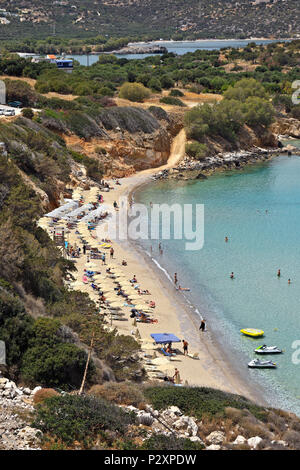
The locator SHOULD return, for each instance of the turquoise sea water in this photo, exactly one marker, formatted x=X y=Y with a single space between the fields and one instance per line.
x=259 y=244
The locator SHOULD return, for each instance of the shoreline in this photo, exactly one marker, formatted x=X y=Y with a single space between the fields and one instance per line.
x=217 y=357
x=211 y=370
x=215 y=368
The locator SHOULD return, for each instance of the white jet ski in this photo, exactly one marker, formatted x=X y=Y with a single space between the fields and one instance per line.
x=258 y=364
x=264 y=349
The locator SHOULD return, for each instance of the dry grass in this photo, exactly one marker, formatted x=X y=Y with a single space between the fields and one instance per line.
x=123 y=393
x=41 y=395
x=252 y=427
x=30 y=81
x=293 y=439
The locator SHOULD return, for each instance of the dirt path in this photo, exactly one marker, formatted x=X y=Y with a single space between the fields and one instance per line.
x=176 y=154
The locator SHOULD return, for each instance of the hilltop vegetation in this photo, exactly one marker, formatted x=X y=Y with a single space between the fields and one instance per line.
x=170 y=18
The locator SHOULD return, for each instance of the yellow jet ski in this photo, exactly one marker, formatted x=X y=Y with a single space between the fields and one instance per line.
x=252 y=332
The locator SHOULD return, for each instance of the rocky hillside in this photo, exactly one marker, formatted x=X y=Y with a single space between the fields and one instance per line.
x=122 y=139
x=207 y=18
x=149 y=417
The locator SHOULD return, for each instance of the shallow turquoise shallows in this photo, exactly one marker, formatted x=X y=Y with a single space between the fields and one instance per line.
x=258 y=208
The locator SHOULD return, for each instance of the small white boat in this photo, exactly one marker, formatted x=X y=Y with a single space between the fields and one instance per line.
x=258 y=364
x=264 y=349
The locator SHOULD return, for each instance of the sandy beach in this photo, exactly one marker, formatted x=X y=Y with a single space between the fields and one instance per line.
x=211 y=368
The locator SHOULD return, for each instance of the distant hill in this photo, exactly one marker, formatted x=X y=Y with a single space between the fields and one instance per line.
x=156 y=18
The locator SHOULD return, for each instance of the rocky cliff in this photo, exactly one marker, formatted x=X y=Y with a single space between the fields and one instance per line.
x=287 y=127
x=132 y=139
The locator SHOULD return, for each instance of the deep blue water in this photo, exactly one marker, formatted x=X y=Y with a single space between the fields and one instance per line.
x=179 y=47
x=259 y=244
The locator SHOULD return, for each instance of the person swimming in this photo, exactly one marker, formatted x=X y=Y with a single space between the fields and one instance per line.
x=232 y=275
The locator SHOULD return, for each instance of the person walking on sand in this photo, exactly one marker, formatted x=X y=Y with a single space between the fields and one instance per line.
x=84 y=249
x=278 y=273
x=103 y=258
x=112 y=252
x=185 y=347
x=202 y=325
x=175 y=279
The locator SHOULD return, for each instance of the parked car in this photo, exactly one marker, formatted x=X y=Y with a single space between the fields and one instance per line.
x=15 y=104
x=9 y=112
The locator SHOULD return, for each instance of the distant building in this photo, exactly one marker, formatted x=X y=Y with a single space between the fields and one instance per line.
x=65 y=64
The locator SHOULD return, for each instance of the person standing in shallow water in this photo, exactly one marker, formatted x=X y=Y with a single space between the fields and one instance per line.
x=278 y=273
x=175 y=279
x=202 y=325
x=232 y=275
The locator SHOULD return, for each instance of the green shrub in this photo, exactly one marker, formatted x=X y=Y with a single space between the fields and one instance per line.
x=167 y=82
x=154 y=84
x=27 y=113
x=199 y=401
x=17 y=90
x=196 y=150
x=51 y=362
x=162 y=442
x=72 y=418
x=175 y=92
x=159 y=113
x=223 y=119
x=245 y=88
x=134 y=92
x=172 y=101
x=258 y=111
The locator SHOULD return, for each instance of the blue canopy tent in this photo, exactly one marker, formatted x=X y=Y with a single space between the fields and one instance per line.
x=165 y=338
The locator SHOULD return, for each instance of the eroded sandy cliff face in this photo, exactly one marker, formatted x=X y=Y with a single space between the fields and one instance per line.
x=124 y=150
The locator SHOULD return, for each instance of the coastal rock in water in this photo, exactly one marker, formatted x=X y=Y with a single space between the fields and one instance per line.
x=216 y=437
x=253 y=442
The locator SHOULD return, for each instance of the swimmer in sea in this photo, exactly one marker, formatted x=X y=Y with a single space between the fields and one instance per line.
x=226 y=239
x=278 y=273
x=232 y=276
